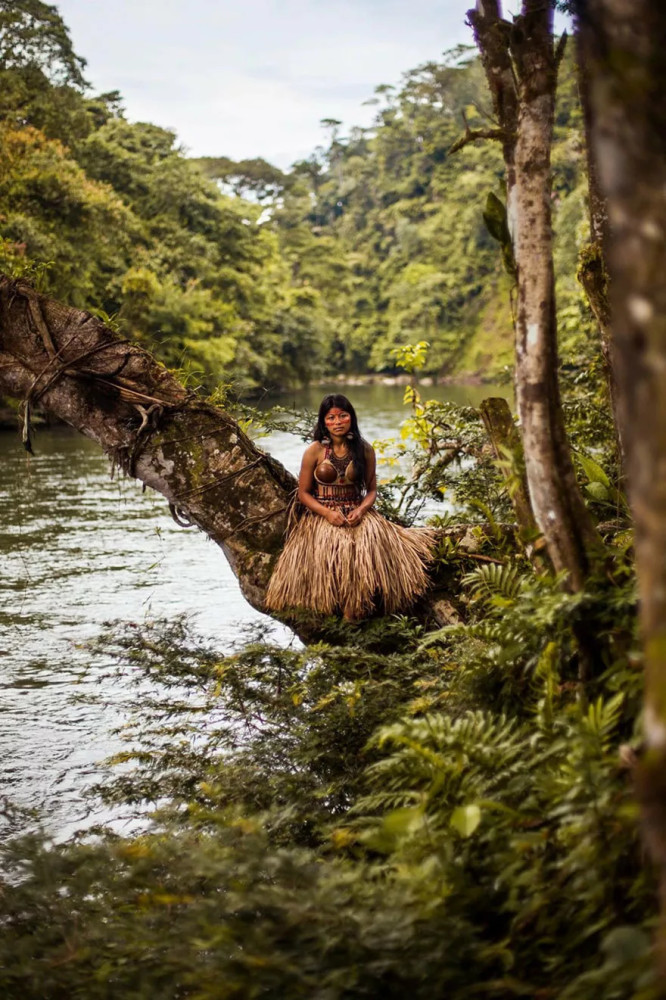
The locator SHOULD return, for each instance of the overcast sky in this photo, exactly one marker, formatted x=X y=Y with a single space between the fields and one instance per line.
x=254 y=77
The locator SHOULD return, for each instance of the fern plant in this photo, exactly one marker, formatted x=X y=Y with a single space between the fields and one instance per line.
x=496 y=584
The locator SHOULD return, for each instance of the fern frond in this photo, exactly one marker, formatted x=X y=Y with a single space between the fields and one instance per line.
x=493 y=580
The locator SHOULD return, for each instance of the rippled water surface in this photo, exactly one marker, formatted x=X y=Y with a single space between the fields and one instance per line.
x=78 y=549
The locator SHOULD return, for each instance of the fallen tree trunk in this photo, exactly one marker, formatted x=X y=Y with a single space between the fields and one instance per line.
x=192 y=453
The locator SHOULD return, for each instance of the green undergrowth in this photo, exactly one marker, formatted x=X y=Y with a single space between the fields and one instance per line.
x=394 y=809
x=399 y=812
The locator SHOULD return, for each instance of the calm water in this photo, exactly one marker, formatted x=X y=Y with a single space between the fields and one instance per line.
x=78 y=549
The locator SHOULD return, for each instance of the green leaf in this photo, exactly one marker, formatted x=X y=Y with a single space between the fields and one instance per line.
x=625 y=944
x=465 y=819
x=494 y=216
x=396 y=826
x=593 y=470
x=401 y=822
x=597 y=491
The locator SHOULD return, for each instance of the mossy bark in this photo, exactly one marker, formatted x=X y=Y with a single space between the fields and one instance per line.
x=505 y=439
x=628 y=82
x=592 y=269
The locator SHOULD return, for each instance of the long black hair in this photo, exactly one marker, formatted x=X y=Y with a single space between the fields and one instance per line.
x=356 y=442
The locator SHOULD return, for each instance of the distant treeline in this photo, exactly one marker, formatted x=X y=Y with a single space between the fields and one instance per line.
x=238 y=271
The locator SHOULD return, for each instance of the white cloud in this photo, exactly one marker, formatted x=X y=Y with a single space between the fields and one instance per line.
x=255 y=78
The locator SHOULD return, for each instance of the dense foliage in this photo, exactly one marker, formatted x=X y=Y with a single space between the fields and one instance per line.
x=347 y=820
x=238 y=270
x=393 y=810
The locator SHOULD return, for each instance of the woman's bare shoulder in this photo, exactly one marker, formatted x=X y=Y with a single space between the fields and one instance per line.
x=313 y=452
x=369 y=450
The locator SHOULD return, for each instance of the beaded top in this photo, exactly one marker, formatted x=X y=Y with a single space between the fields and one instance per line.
x=335 y=478
x=335 y=470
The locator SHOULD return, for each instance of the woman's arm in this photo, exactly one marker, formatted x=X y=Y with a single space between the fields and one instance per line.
x=371 y=487
x=306 y=484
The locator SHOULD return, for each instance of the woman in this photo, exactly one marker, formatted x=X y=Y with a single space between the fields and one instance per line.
x=340 y=554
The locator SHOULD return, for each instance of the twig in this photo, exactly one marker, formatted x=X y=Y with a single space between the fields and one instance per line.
x=37 y=317
x=128 y=395
x=480 y=558
x=472 y=135
x=146 y=415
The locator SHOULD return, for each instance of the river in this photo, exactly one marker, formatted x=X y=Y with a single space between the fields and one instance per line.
x=78 y=549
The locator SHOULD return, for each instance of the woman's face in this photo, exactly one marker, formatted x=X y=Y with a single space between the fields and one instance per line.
x=337 y=421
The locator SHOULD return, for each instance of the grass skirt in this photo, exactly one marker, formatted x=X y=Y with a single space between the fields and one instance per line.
x=353 y=570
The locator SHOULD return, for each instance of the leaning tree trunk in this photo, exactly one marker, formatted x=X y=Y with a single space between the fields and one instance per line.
x=196 y=455
x=192 y=453
x=628 y=76
x=521 y=65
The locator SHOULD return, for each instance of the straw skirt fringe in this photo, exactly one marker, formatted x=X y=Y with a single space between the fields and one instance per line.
x=351 y=570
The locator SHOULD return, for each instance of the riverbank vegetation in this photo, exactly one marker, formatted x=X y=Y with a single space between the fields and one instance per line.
x=392 y=809
x=389 y=811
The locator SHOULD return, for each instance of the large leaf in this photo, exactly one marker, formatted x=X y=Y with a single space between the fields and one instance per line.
x=593 y=470
x=494 y=216
x=465 y=819
x=598 y=491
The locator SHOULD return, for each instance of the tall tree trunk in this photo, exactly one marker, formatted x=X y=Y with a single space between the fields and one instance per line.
x=598 y=208
x=521 y=64
x=115 y=393
x=592 y=270
x=628 y=76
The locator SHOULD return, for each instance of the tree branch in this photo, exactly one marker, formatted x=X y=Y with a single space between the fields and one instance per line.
x=193 y=453
x=474 y=135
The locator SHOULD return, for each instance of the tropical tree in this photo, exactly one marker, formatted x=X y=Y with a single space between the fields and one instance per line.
x=521 y=62
x=625 y=44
